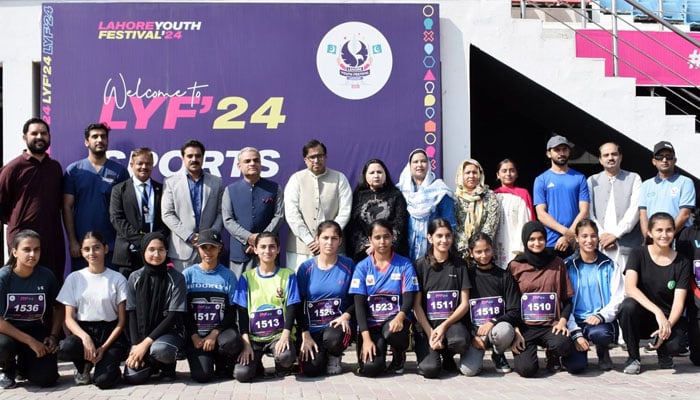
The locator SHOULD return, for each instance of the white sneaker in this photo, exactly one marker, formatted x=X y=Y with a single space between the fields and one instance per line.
x=334 y=367
x=83 y=378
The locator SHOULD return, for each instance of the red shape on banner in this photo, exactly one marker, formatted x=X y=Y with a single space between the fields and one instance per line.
x=430 y=126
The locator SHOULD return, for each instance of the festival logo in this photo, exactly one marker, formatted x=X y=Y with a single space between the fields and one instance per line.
x=354 y=60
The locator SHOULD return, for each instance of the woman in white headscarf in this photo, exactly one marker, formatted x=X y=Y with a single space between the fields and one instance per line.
x=476 y=206
x=426 y=197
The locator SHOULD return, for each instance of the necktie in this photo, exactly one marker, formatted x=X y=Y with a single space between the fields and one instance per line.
x=145 y=226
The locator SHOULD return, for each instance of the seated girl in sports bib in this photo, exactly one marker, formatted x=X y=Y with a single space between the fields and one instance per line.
x=383 y=285
x=494 y=309
x=545 y=302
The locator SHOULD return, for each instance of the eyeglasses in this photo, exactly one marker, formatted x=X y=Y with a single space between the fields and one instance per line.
x=316 y=157
x=661 y=157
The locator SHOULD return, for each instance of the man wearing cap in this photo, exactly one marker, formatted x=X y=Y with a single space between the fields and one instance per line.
x=250 y=205
x=668 y=191
x=615 y=205
x=560 y=196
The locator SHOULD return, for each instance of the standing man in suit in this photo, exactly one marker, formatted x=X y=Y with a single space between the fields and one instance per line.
x=250 y=205
x=191 y=203
x=87 y=190
x=134 y=210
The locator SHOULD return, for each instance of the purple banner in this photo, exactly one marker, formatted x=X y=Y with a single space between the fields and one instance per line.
x=362 y=78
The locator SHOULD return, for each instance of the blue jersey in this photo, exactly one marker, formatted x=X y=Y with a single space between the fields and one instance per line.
x=209 y=295
x=667 y=195
x=383 y=287
x=324 y=292
x=92 y=191
x=561 y=193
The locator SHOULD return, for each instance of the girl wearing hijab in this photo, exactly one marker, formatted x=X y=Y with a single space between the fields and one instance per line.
x=156 y=303
x=545 y=302
x=427 y=198
x=476 y=206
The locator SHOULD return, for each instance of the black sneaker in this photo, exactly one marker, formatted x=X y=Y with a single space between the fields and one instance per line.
x=449 y=364
x=6 y=381
x=501 y=363
x=397 y=363
x=553 y=362
x=665 y=361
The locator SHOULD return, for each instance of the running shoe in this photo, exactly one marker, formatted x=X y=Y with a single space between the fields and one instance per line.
x=333 y=367
x=665 y=361
x=604 y=361
x=553 y=362
x=6 y=381
x=397 y=362
x=501 y=363
x=632 y=366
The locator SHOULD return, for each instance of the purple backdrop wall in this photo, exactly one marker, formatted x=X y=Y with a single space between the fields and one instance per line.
x=363 y=78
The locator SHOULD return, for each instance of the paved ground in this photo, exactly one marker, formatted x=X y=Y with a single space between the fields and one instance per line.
x=652 y=383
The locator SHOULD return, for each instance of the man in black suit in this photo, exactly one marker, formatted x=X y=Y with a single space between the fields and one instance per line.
x=134 y=210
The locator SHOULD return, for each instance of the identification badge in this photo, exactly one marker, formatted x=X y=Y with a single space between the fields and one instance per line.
x=383 y=307
x=25 y=306
x=322 y=312
x=538 y=307
x=266 y=322
x=441 y=304
x=207 y=316
x=486 y=309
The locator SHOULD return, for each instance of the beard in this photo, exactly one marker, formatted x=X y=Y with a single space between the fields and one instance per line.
x=34 y=149
x=560 y=162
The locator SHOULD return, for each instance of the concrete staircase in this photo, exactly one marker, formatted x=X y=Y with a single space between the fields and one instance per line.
x=547 y=57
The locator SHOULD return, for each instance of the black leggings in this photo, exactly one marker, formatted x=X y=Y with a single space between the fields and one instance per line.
x=637 y=322
x=16 y=356
x=456 y=341
x=331 y=341
x=228 y=345
x=107 y=373
x=383 y=338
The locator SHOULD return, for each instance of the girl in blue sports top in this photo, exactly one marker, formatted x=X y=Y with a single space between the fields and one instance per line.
x=323 y=286
x=384 y=285
x=441 y=304
x=214 y=341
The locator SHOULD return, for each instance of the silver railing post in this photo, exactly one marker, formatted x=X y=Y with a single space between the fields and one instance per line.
x=523 y=7
x=584 y=15
x=613 y=4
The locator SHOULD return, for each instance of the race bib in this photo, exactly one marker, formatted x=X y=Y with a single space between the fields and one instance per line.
x=206 y=316
x=538 y=307
x=485 y=309
x=266 y=322
x=383 y=306
x=322 y=312
x=25 y=307
x=441 y=304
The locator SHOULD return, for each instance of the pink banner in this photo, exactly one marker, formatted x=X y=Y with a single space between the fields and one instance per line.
x=653 y=58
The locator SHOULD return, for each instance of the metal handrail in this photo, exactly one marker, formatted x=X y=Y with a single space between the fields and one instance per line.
x=614 y=52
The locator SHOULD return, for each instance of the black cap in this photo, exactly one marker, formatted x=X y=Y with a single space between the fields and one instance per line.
x=664 y=146
x=209 y=236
